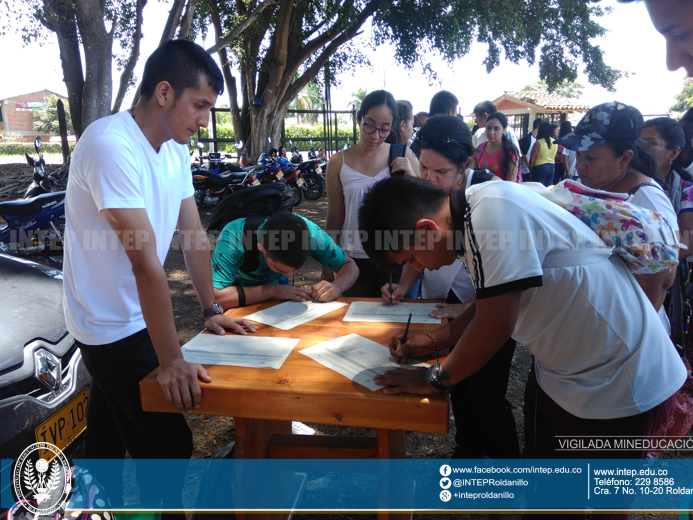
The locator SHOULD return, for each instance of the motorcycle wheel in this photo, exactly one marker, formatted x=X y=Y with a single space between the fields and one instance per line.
x=297 y=193
x=316 y=188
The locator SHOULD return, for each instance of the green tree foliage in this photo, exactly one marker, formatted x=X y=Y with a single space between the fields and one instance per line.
x=357 y=99
x=310 y=98
x=46 y=120
x=684 y=100
x=295 y=41
x=568 y=89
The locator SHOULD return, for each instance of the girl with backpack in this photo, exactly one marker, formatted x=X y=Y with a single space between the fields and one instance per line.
x=351 y=172
x=498 y=154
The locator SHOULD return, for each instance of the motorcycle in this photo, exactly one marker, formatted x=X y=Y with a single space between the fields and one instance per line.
x=44 y=182
x=213 y=181
x=34 y=227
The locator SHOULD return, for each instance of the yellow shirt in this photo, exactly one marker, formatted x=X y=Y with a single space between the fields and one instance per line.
x=546 y=155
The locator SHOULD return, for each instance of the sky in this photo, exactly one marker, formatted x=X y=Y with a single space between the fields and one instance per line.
x=631 y=45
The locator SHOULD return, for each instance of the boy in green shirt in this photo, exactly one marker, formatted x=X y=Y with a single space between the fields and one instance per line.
x=285 y=241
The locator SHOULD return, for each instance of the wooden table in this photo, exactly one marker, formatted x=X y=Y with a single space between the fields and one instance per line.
x=263 y=402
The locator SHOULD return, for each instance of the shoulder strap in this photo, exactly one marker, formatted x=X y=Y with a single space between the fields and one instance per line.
x=635 y=188
x=458 y=207
x=251 y=258
x=397 y=150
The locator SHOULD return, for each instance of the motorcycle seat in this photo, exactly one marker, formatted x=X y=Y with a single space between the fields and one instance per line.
x=222 y=179
x=26 y=207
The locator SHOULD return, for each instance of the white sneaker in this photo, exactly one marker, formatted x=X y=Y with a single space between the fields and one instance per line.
x=298 y=428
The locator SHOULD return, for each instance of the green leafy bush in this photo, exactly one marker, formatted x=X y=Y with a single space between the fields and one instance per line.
x=293 y=132
x=20 y=149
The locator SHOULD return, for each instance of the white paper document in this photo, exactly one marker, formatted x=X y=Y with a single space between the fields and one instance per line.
x=238 y=351
x=386 y=313
x=357 y=358
x=288 y=315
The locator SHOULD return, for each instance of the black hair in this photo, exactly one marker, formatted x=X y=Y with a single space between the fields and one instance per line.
x=509 y=150
x=447 y=135
x=643 y=161
x=442 y=102
x=417 y=121
x=687 y=125
x=485 y=107
x=405 y=110
x=284 y=236
x=553 y=129
x=182 y=63
x=673 y=135
x=537 y=122
x=566 y=128
x=545 y=132
x=379 y=98
x=389 y=213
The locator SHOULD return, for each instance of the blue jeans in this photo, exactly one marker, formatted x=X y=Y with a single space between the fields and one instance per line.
x=544 y=173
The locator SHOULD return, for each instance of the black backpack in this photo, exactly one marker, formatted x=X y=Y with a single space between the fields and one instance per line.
x=254 y=204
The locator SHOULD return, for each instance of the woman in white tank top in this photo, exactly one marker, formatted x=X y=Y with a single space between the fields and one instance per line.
x=352 y=172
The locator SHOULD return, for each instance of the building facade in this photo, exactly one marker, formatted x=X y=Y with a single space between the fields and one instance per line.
x=17 y=113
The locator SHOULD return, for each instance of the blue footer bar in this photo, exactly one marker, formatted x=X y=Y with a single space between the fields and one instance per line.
x=368 y=485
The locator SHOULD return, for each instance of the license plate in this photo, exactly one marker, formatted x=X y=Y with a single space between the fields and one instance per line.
x=66 y=424
x=318 y=170
x=280 y=175
x=256 y=182
x=299 y=182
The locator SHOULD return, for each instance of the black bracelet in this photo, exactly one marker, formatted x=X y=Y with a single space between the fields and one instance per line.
x=241 y=296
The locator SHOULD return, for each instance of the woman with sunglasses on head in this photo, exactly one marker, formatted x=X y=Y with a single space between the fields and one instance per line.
x=484 y=419
x=349 y=175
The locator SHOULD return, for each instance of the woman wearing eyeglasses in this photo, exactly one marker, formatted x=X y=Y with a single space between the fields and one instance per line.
x=349 y=175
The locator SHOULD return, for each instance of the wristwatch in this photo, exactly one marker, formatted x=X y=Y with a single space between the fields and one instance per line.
x=212 y=310
x=433 y=376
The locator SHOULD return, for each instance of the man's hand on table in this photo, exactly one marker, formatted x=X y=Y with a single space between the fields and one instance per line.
x=403 y=381
x=178 y=380
x=417 y=346
x=448 y=310
x=326 y=291
x=220 y=322
x=289 y=292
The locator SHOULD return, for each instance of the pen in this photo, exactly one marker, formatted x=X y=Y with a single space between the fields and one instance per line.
x=322 y=276
x=406 y=333
x=391 y=289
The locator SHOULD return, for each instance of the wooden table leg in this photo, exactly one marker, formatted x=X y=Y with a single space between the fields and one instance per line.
x=252 y=437
x=392 y=444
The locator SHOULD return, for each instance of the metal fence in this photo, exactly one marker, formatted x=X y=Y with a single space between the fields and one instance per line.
x=332 y=138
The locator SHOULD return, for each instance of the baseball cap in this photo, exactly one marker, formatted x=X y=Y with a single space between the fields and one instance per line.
x=612 y=121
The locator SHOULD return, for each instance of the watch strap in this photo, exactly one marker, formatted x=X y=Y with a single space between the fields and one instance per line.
x=212 y=310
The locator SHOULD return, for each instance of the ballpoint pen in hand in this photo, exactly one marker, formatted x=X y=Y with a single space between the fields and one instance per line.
x=322 y=277
x=390 y=288
x=406 y=333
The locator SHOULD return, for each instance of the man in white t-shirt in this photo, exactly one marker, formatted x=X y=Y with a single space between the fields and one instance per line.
x=543 y=278
x=129 y=189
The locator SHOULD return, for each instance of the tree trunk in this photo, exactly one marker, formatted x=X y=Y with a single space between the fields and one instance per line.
x=60 y=18
x=98 y=50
